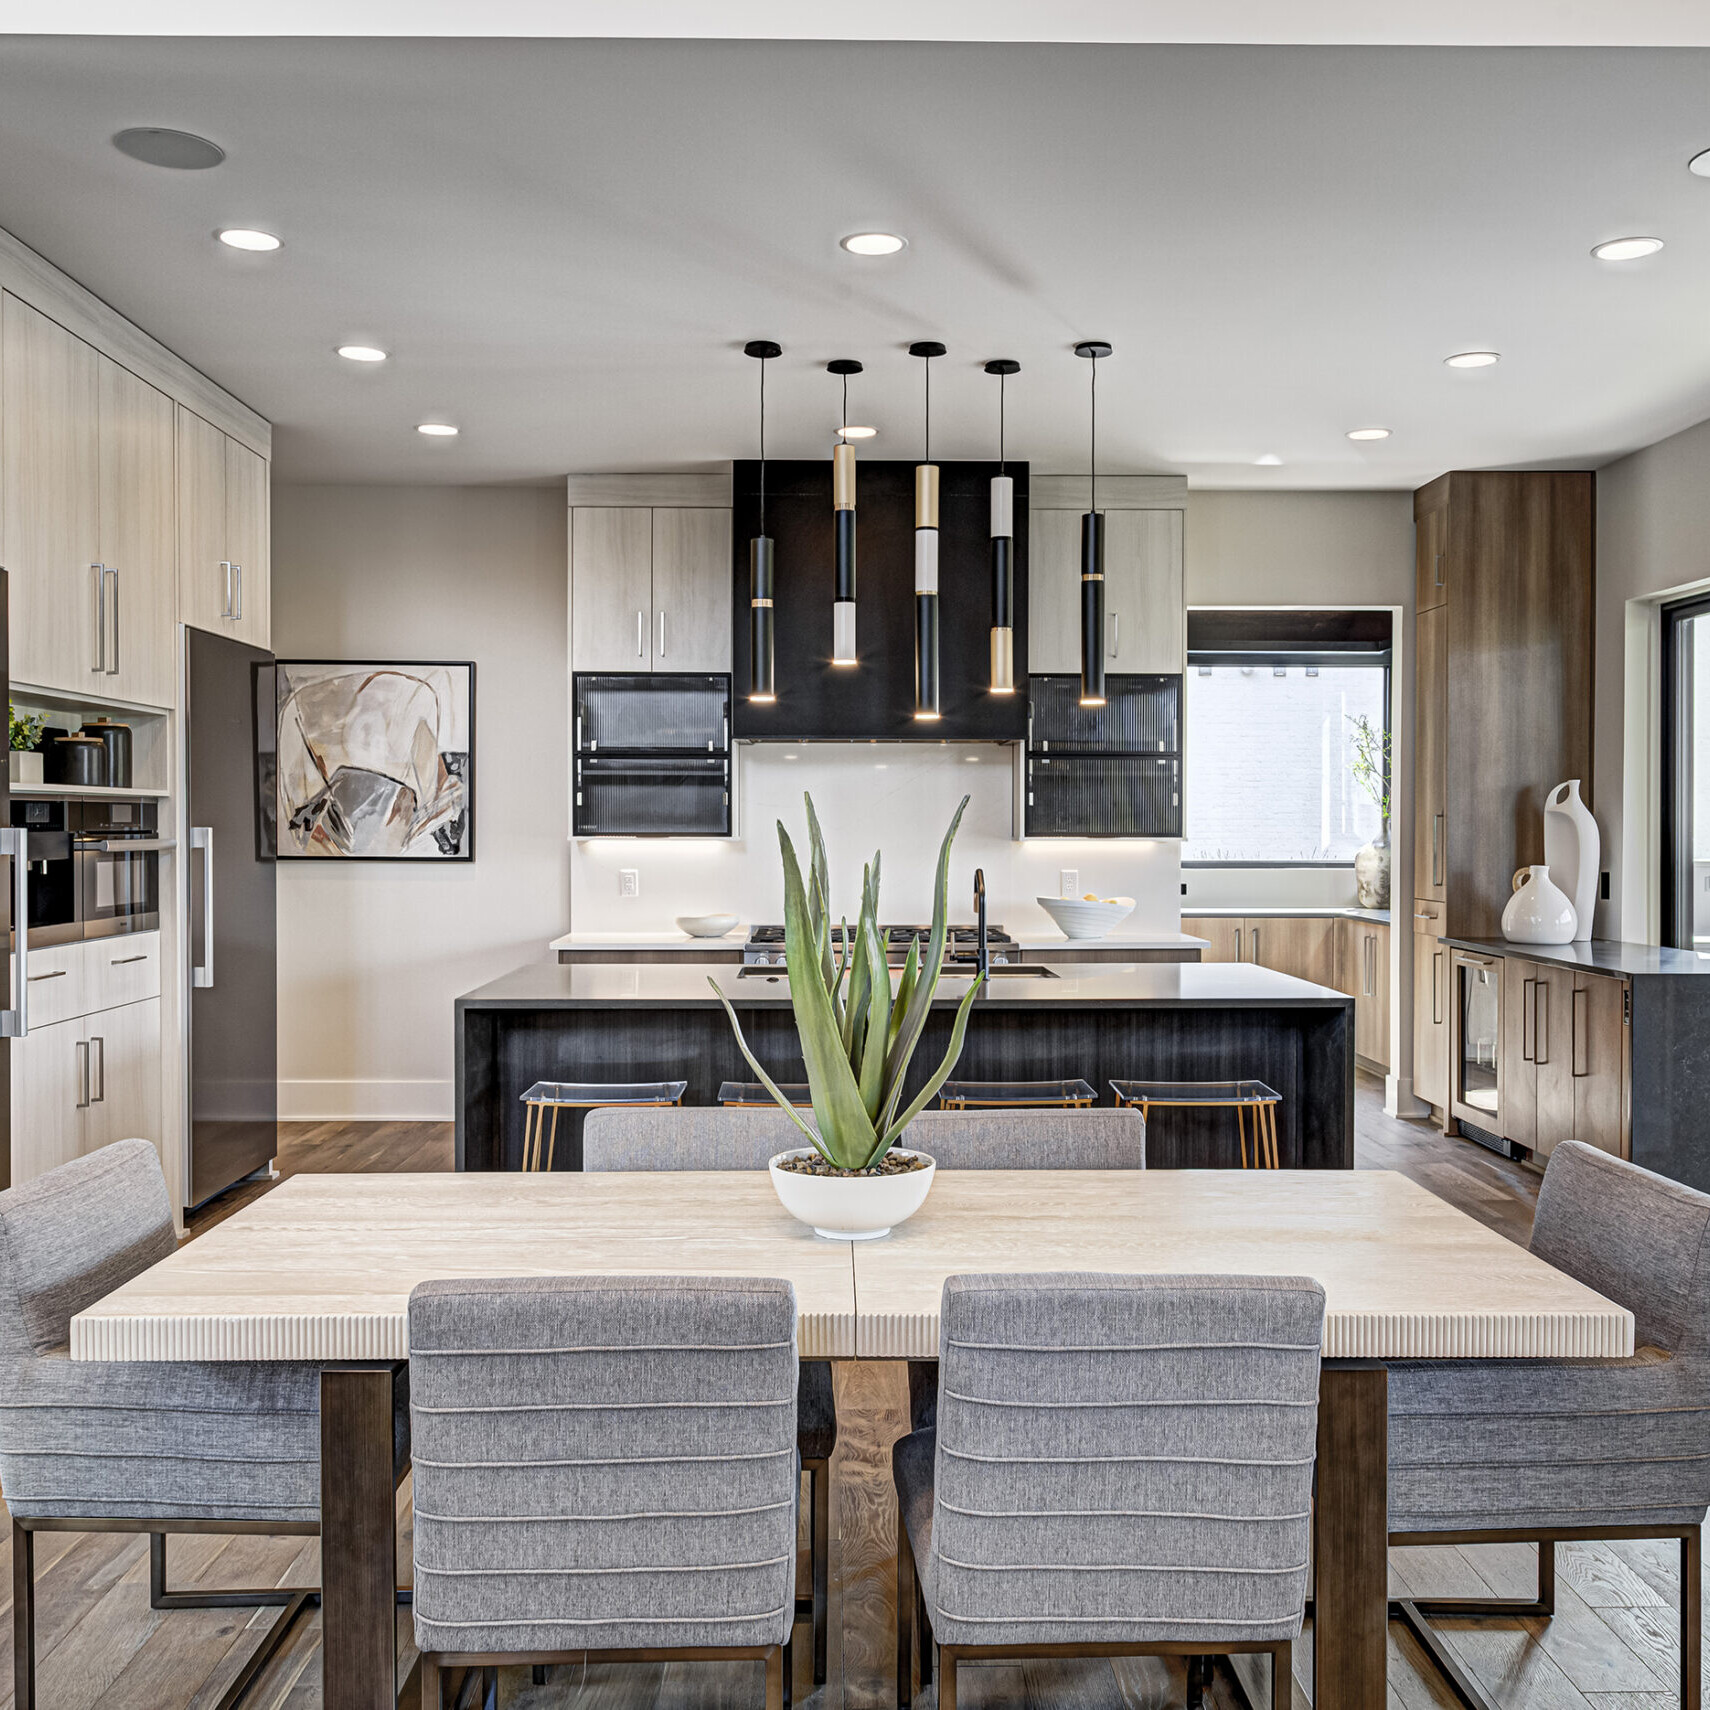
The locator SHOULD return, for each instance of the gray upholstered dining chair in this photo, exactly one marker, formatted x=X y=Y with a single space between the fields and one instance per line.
x=1122 y=1466
x=1486 y=1451
x=549 y=1528
x=134 y=1446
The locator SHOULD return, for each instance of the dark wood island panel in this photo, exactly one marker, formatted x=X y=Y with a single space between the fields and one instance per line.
x=1179 y=1023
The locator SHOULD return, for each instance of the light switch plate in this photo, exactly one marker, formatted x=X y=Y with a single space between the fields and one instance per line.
x=629 y=881
x=1069 y=882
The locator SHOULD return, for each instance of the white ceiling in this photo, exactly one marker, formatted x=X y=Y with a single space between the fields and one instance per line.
x=565 y=244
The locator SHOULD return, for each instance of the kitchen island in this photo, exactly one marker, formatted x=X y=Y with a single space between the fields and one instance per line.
x=1151 y=1021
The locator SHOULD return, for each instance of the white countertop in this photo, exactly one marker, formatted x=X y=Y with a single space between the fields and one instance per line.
x=737 y=936
x=1329 y=911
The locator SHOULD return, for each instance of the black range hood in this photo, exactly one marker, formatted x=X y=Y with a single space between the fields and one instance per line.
x=874 y=700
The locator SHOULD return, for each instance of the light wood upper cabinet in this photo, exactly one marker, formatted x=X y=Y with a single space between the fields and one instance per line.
x=50 y=494
x=1430 y=757
x=611 y=588
x=224 y=569
x=137 y=538
x=1144 y=591
x=691 y=590
x=1431 y=557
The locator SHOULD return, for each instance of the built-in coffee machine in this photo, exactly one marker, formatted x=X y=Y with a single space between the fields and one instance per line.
x=94 y=866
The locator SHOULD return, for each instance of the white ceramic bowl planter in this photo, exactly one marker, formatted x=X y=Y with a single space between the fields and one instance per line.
x=706 y=925
x=851 y=1208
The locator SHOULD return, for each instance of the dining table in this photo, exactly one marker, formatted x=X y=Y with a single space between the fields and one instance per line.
x=321 y=1269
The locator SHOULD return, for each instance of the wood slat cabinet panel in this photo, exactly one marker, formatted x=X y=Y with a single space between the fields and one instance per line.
x=50 y=494
x=611 y=588
x=1430 y=1004
x=138 y=537
x=1054 y=592
x=1224 y=935
x=1430 y=757
x=691 y=590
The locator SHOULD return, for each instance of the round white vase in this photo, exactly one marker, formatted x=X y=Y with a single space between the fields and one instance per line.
x=1539 y=912
x=1371 y=873
x=851 y=1208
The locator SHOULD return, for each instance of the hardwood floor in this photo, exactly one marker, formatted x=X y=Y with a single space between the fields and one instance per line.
x=1611 y=1646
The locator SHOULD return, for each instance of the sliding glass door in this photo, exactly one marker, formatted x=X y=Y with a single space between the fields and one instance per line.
x=1686 y=774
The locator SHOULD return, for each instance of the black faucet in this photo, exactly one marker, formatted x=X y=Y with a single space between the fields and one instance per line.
x=982 y=952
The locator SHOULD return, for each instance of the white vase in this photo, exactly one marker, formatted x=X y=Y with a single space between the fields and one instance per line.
x=851 y=1208
x=24 y=767
x=1371 y=873
x=1539 y=912
x=1573 y=851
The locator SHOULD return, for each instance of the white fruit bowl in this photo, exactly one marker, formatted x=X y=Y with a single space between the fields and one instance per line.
x=1086 y=919
x=851 y=1208
x=706 y=925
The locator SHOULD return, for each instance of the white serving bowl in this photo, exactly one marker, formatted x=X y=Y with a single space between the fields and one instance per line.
x=706 y=925
x=1086 y=919
x=851 y=1208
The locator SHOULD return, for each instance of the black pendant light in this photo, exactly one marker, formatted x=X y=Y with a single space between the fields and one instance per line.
x=762 y=676
x=926 y=707
x=843 y=514
x=1003 y=552
x=1092 y=554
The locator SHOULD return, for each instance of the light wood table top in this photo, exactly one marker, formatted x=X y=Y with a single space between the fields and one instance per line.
x=322 y=1267
x=1406 y=1275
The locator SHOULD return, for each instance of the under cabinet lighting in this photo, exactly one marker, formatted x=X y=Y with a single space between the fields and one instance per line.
x=240 y=237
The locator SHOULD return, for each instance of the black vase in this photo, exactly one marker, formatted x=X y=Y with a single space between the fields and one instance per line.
x=80 y=760
x=116 y=739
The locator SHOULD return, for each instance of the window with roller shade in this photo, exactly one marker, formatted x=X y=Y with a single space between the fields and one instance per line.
x=1269 y=709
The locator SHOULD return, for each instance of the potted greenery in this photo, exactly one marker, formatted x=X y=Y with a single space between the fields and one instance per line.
x=1371 y=773
x=858 y=1035
x=24 y=761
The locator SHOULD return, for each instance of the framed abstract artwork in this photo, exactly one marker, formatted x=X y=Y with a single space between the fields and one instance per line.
x=374 y=761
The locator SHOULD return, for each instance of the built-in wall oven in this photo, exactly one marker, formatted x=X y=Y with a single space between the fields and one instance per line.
x=94 y=866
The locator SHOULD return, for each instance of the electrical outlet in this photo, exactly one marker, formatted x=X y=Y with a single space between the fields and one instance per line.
x=1069 y=882
x=629 y=881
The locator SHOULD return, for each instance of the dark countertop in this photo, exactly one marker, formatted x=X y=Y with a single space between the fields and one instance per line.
x=1109 y=985
x=1600 y=955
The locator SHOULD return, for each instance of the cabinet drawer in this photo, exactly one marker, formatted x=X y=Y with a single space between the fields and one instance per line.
x=122 y=970
x=56 y=975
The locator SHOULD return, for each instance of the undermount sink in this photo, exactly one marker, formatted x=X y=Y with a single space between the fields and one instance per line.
x=1006 y=971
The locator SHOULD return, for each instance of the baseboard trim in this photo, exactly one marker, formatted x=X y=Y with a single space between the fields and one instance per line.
x=366 y=1101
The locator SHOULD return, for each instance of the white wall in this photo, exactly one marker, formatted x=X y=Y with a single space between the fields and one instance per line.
x=371 y=955
x=1653 y=540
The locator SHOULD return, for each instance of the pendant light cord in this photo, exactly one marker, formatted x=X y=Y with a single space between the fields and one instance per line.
x=1003 y=380
x=762 y=445
x=928 y=366
x=845 y=433
x=1092 y=456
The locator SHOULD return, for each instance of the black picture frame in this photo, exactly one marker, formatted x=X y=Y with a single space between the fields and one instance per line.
x=466 y=853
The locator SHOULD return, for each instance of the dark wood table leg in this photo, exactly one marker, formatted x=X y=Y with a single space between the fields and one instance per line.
x=1351 y=1537
x=358 y=1540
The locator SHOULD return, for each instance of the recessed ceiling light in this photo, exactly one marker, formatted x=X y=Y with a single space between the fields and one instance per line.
x=873 y=243
x=1627 y=249
x=1700 y=163
x=1368 y=433
x=239 y=237
x=1269 y=461
x=437 y=430
x=362 y=353
x=1473 y=359
x=858 y=432
x=178 y=150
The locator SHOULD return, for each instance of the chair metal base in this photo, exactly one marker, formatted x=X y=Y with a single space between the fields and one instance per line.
x=913 y=1619
x=437 y=1669
x=1417 y=1613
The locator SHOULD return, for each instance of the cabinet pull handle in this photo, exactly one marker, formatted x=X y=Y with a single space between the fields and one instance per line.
x=83 y=1074
x=1528 y=1021
x=100 y=1044
x=15 y=1021
x=1436 y=849
x=57 y=974
x=1436 y=989
x=1115 y=633
x=1237 y=944
x=1581 y=1033
x=1424 y=914
x=226 y=609
x=237 y=582
x=125 y=961
x=1255 y=932
x=113 y=669
x=202 y=837
x=1540 y=1021
x=641 y=635
x=100 y=664
x=1439 y=570
x=662 y=632
x=1369 y=977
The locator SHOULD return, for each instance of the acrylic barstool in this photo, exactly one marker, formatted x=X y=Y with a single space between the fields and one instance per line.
x=1248 y=1099
x=751 y=1095
x=540 y=1139
x=1017 y=1095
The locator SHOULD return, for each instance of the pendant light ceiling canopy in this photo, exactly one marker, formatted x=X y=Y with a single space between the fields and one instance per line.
x=926 y=684
x=762 y=672
x=1092 y=550
x=843 y=514
x=1003 y=551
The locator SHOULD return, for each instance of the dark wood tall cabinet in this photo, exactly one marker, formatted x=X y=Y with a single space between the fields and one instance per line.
x=1504 y=581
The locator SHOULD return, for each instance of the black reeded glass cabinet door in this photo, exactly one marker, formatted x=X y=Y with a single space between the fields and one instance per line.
x=1110 y=771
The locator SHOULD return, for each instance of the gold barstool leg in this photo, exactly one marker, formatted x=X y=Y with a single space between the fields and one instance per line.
x=530 y=1112
x=1271 y=1129
x=552 y=1139
x=1241 y=1124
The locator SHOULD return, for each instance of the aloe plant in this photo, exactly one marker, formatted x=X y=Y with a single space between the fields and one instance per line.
x=858 y=1035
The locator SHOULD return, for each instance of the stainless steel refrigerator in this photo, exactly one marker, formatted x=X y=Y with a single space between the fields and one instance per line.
x=228 y=713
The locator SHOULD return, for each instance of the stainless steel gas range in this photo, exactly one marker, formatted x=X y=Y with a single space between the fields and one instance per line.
x=765 y=946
